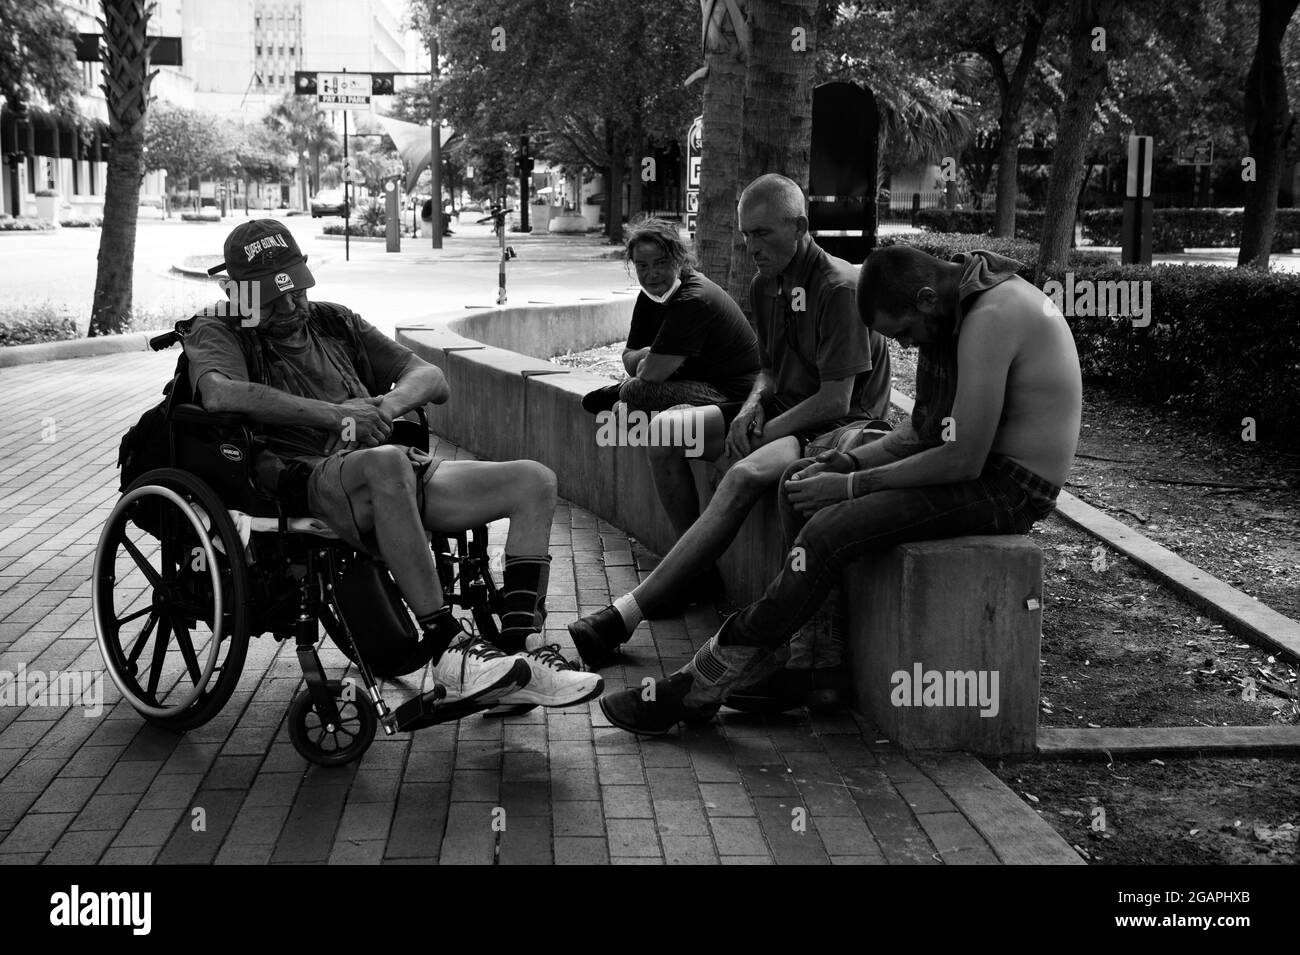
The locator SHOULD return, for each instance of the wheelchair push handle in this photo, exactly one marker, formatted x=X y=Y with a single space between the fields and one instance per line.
x=166 y=340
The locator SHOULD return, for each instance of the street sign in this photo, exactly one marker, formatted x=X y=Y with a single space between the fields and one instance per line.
x=694 y=146
x=343 y=90
x=1140 y=149
x=1199 y=152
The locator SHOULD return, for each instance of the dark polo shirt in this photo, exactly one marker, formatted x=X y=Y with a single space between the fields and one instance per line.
x=824 y=341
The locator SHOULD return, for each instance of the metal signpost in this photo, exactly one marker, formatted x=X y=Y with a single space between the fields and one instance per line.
x=1198 y=153
x=1135 y=239
x=345 y=91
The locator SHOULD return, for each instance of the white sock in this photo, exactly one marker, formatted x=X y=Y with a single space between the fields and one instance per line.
x=627 y=608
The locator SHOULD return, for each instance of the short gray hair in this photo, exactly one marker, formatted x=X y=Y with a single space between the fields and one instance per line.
x=781 y=193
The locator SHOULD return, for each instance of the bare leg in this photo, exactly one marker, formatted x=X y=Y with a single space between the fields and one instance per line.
x=458 y=495
x=381 y=486
x=701 y=545
x=670 y=465
x=464 y=494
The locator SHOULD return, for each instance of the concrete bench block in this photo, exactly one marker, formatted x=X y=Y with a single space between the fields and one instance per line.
x=945 y=643
x=561 y=435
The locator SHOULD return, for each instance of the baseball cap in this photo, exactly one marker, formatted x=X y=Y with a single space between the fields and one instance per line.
x=264 y=251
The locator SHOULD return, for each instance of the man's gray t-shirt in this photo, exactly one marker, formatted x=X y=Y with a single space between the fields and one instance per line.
x=323 y=368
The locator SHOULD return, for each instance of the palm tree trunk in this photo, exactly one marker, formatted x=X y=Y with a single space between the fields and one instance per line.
x=1084 y=80
x=126 y=91
x=724 y=107
x=778 y=112
x=1267 y=127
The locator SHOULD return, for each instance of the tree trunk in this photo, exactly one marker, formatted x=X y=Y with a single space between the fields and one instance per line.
x=724 y=104
x=126 y=91
x=614 y=182
x=1083 y=82
x=1269 y=125
x=778 y=112
x=1012 y=91
x=635 y=190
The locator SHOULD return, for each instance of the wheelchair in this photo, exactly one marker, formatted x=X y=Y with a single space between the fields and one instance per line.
x=195 y=559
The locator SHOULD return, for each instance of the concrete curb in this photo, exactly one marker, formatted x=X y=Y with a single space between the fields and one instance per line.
x=75 y=348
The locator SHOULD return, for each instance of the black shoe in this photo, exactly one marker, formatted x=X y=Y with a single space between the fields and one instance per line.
x=822 y=690
x=602 y=399
x=629 y=709
x=597 y=636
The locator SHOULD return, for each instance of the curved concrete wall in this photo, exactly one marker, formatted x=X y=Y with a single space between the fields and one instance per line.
x=508 y=401
x=543 y=330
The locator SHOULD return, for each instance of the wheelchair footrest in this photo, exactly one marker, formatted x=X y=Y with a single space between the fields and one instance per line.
x=428 y=709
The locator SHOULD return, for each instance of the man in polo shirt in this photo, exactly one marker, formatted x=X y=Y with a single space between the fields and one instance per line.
x=821 y=369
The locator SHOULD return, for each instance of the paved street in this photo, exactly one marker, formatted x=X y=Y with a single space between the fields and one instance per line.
x=85 y=787
x=386 y=288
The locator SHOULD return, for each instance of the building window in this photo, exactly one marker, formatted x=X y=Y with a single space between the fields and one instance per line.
x=259 y=49
x=291 y=53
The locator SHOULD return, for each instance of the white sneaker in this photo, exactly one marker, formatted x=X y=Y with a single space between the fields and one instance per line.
x=476 y=671
x=555 y=681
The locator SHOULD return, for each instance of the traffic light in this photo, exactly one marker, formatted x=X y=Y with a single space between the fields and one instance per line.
x=304 y=82
x=381 y=84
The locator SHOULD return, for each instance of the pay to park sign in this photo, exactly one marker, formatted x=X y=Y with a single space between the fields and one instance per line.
x=343 y=90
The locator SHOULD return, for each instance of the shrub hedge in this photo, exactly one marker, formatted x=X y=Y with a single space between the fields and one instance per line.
x=1223 y=343
x=1172 y=230
x=36 y=329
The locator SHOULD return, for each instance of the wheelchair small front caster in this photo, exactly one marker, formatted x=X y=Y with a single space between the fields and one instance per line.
x=333 y=744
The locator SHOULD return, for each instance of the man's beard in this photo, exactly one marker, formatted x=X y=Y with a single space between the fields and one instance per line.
x=286 y=326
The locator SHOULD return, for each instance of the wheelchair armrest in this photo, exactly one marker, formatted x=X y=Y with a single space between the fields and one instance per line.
x=188 y=413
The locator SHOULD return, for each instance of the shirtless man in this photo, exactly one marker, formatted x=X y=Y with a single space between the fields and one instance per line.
x=1011 y=422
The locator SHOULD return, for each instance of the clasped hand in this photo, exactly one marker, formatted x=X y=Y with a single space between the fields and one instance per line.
x=821 y=483
x=371 y=423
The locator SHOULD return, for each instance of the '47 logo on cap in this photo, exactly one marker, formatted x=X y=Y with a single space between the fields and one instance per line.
x=283 y=282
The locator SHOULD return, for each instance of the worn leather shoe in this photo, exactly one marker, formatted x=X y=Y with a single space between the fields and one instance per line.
x=597 y=636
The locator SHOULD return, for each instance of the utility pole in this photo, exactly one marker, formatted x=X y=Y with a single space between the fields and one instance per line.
x=435 y=158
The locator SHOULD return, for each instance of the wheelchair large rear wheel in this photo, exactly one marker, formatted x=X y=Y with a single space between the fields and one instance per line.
x=170 y=610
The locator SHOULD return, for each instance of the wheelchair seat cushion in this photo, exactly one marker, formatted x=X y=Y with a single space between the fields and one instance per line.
x=328 y=499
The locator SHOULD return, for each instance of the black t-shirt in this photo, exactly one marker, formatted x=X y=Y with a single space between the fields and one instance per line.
x=702 y=322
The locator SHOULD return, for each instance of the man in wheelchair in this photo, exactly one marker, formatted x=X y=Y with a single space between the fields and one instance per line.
x=324 y=388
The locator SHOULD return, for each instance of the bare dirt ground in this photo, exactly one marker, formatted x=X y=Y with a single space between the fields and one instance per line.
x=1119 y=650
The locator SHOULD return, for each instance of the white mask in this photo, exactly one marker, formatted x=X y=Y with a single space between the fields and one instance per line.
x=677 y=283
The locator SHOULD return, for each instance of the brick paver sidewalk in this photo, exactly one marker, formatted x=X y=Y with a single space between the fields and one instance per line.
x=84 y=789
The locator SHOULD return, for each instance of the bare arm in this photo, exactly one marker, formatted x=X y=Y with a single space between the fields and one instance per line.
x=831 y=401
x=263 y=404
x=419 y=384
x=633 y=357
x=902 y=442
x=658 y=368
x=984 y=355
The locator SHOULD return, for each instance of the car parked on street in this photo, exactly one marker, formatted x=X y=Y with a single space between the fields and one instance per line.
x=329 y=202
